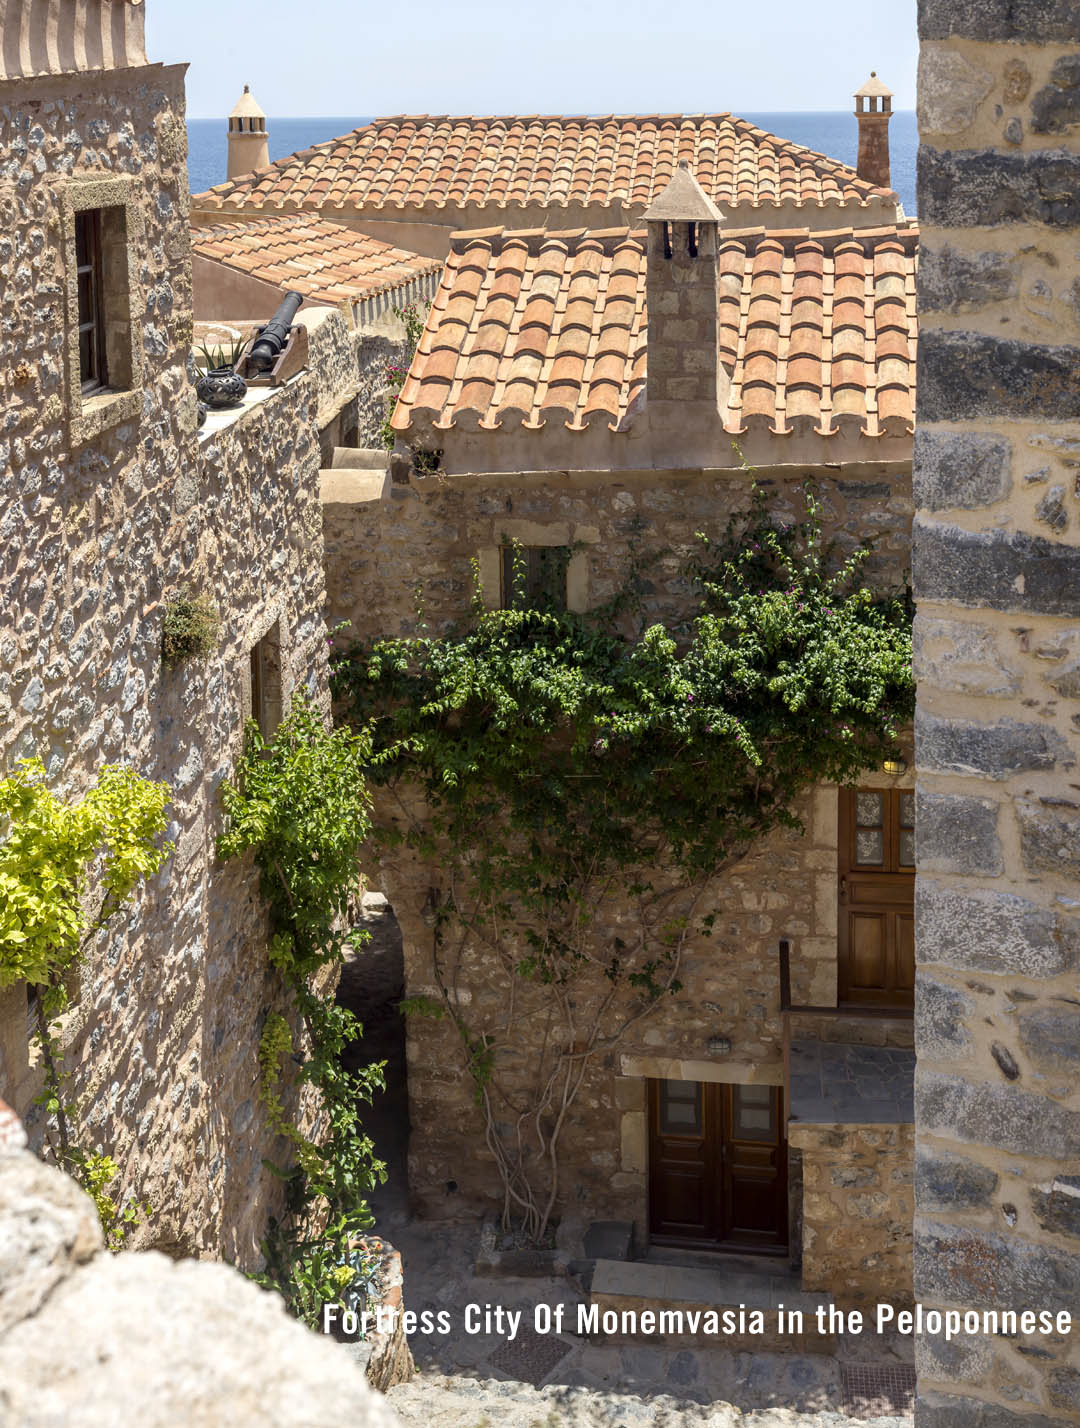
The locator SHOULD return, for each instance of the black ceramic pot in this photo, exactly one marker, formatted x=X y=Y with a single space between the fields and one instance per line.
x=201 y=407
x=220 y=387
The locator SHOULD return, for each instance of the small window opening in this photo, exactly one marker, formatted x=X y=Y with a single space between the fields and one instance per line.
x=534 y=577
x=93 y=368
x=265 y=682
x=667 y=240
x=692 y=238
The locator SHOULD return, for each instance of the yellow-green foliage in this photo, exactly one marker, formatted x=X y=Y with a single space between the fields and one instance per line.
x=51 y=851
x=117 y=1219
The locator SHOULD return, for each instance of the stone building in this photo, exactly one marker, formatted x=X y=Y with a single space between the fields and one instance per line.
x=415 y=179
x=593 y=389
x=997 y=579
x=112 y=503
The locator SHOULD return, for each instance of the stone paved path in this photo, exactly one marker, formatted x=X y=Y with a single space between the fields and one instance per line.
x=467 y=1381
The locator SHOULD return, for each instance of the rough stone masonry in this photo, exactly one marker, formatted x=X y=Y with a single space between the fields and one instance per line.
x=997 y=578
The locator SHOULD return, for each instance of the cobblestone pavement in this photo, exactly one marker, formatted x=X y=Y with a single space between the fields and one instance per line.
x=478 y=1378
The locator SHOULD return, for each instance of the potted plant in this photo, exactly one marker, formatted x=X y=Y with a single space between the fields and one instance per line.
x=219 y=385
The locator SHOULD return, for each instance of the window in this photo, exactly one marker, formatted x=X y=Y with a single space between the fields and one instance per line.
x=102 y=229
x=265 y=682
x=534 y=577
x=93 y=366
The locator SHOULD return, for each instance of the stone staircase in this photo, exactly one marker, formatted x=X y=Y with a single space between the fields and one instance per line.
x=736 y=1288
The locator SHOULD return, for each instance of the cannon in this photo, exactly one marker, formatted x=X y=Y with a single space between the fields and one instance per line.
x=273 y=337
x=277 y=350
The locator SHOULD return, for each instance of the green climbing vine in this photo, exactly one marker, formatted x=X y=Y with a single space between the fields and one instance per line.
x=582 y=779
x=300 y=805
x=66 y=869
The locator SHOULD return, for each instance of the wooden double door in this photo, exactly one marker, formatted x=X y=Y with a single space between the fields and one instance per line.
x=717 y=1166
x=876 y=926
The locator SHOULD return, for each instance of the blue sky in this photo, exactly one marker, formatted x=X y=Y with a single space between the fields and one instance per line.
x=558 y=56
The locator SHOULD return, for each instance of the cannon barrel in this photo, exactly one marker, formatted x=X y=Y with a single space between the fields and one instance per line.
x=272 y=338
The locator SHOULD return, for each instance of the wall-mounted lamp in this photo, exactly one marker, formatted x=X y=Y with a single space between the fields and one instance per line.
x=894 y=764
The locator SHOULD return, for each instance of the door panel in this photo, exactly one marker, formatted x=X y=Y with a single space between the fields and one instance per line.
x=717 y=1166
x=754 y=1202
x=868 y=950
x=875 y=945
x=678 y=1170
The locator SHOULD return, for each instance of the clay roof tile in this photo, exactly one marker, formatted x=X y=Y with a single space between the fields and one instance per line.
x=576 y=345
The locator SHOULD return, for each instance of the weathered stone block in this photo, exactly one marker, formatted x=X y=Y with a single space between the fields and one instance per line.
x=950 y=90
x=1005 y=570
x=940 y=1012
x=972 y=188
x=940 y=1410
x=1064 y=1388
x=944 y=1181
x=959 y=469
x=968 y=1360
x=1056 y=108
x=961 y=656
x=1049 y=838
x=48 y=1228
x=1001 y=1115
x=990 y=750
x=1029 y=21
x=977 y=1268
x=957 y=834
x=1051 y=509
x=968 y=374
x=1057 y=1206
x=1051 y=1038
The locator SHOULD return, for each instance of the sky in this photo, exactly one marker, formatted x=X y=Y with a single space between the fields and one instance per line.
x=556 y=56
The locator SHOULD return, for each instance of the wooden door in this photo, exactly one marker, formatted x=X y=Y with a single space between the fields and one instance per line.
x=876 y=949
x=753 y=1200
x=717 y=1166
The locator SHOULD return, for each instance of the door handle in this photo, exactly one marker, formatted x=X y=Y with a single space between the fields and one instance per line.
x=843 y=887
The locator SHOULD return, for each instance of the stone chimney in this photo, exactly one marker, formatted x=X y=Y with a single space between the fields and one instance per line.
x=681 y=296
x=873 y=110
x=249 y=146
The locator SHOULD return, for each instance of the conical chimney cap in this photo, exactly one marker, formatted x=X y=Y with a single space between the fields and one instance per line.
x=873 y=89
x=246 y=107
x=684 y=201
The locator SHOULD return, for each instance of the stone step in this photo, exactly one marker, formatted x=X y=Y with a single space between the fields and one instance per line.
x=349 y=485
x=364 y=458
x=631 y=1288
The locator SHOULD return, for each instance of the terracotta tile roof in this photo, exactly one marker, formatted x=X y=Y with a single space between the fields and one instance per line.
x=817 y=330
x=325 y=261
x=411 y=161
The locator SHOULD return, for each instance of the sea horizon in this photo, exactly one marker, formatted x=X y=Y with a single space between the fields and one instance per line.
x=826 y=131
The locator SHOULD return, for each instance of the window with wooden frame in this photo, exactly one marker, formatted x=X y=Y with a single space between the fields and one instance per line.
x=93 y=361
x=102 y=228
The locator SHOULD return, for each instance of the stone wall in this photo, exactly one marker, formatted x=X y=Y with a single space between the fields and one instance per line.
x=857 y=1210
x=109 y=506
x=88 y=1337
x=997 y=576
x=382 y=540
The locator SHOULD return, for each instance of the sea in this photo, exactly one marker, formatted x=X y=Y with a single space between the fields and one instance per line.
x=829 y=133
